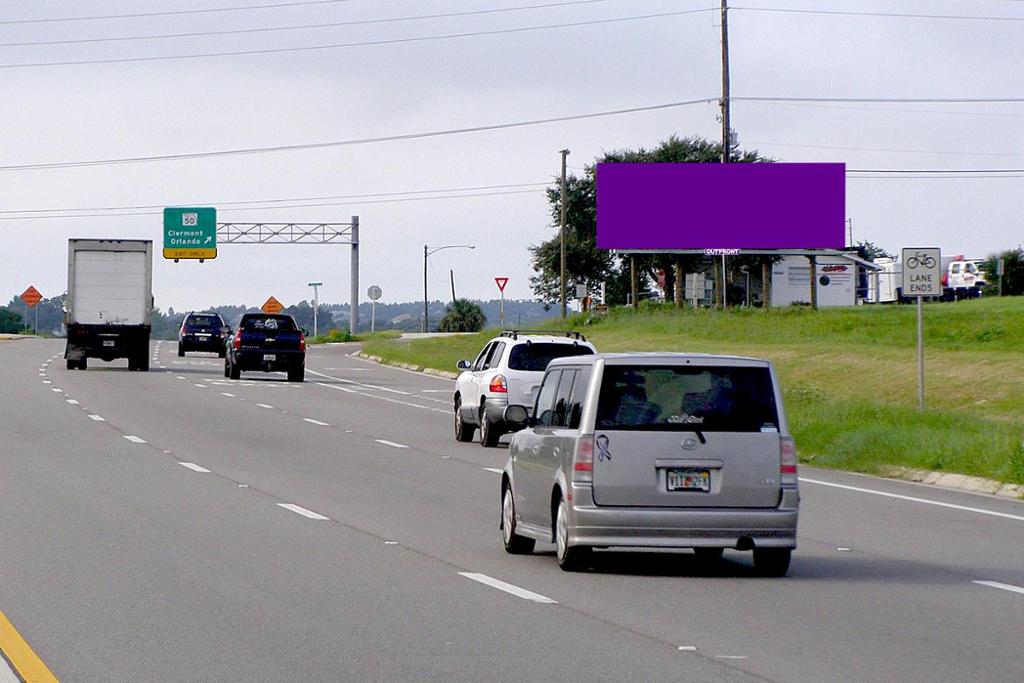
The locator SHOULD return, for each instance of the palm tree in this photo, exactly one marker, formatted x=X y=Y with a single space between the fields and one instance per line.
x=462 y=316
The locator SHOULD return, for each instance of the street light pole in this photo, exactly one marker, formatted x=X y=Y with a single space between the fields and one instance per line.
x=561 y=235
x=427 y=252
x=316 y=303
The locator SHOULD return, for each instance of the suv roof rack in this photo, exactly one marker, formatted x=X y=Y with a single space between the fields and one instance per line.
x=571 y=334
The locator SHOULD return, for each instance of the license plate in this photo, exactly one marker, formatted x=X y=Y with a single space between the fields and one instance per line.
x=269 y=357
x=108 y=342
x=203 y=336
x=681 y=479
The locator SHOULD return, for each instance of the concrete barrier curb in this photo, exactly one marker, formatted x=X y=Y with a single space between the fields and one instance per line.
x=408 y=366
x=958 y=481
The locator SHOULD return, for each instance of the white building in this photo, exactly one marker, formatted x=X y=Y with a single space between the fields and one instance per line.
x=841 y=279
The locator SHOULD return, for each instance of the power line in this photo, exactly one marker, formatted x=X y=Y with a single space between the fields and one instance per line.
x=364 y=195
x=285 y=206
x=365 y=43
x=333 y=24
x=896 y=109
x=901 y=100
x=213 y=10
x=886 y=149
x=357 y=141
x=899 y=15
x=936 y=171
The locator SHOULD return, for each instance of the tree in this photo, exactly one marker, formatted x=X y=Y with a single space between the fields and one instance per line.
x=869 y=251
x=462 y=315
x=1013 y=271
x=10 y=322
x=584 y=263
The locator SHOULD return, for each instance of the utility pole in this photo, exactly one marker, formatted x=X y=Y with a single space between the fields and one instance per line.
x=425 y=309
x=353 y=319
x=451 y=273
x=725 y=82
x=561 y=233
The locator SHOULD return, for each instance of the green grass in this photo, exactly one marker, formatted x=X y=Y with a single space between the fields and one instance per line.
x=849 y=375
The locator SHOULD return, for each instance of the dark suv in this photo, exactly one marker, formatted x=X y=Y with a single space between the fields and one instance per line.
x=203 y=332
x=268 y=343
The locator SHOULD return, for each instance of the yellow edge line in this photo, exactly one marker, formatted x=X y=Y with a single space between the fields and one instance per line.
x=22 y=658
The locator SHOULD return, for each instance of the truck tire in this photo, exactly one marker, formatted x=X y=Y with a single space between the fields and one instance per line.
x=234 y=372
x=72 y=364
x=83 y=363
x=181 y=350
x=297 y=374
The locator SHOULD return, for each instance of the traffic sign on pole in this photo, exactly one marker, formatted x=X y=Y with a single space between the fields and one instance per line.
x=190 y=233
x=922 y=276
x=501 y=281
x=272 y=306
x=31 y=297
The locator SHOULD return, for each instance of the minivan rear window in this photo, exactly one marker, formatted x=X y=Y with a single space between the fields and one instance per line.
x=535 y=356
x=674 y=398
x=204 y=321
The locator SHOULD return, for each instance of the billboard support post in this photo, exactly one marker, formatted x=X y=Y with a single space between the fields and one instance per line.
x=814 y=282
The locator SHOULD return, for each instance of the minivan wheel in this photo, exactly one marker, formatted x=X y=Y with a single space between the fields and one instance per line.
x=463 y=431
x=181 y=350
x=234 y=372
x=772 y=561
x=488 y=434
x=570 y=558
x=514 y=543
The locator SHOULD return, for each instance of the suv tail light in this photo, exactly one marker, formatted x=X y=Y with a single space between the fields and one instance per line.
x=787 y=462
x=583 y=460
x=238 y=340
x=302 y=342
x=498 y=385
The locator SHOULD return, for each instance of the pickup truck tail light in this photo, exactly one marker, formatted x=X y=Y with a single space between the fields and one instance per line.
x=787 y=462
x=302 y=342
x=583 y=460
x=498 y=385
x=237 y=343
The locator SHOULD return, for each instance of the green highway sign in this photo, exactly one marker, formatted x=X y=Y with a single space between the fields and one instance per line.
x=190 y=233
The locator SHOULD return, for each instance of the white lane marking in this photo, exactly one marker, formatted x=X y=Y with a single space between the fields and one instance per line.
x=134 y=439
x=264 y=405
x=360 y=384
x=1001 y=586
x=350 y=369
x=298 y=509
x=508 y=588
x=316 y=422
x=97 y=418
x=398 y=369
x=46 y=381
x=179 y=377
x=435 y=391
x=194 y=467
x=687 y=648
x=912 y=499
x=391 y=443
x=201 y=386
x=59 y=391
x=71 y=401
x=730 y=657
x=224 y=393
x=494 y=469
x=385 y=398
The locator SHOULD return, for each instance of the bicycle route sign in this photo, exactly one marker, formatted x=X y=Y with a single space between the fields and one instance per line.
x=922 y=271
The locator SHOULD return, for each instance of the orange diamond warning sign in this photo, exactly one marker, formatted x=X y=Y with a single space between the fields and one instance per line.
x=273 y=306
x=31 y=296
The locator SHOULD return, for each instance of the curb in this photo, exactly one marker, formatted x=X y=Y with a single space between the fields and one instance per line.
x=961 y=482
x=407 y=366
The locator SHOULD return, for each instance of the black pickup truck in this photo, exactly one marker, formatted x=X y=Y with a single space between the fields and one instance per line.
x=267 y=343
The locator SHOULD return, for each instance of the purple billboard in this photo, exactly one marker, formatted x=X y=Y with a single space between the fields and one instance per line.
x=721 y=207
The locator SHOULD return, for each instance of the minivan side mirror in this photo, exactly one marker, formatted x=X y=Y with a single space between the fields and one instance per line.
x=463 y=365
x=516 y=417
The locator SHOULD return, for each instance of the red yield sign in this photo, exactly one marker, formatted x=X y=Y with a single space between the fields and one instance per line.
x=31 y=297
x=501 y=282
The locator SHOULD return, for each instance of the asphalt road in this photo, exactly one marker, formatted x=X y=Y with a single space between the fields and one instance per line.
x=177 y=526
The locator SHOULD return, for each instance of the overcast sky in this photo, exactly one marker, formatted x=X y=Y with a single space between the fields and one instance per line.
x=60 y=113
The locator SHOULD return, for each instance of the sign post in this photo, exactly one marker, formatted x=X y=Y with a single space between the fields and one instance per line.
x=31 y=297
x=190 y=233
x=501 y=282
x=922 y=276
x=999 y=271
x=374 y=293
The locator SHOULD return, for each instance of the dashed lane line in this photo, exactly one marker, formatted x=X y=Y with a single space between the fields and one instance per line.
x=912 y=499
x=194 y=467
x=224 y=393
x=298 y=509
x=493 y=469
x=134 y=439
x=97 y=418
x=316 y=422
x=71 y=401
x=1001 y=586
x=391 y=443
x=264 y=405
x=383 y=398
x=508 y=588
x=359 y=384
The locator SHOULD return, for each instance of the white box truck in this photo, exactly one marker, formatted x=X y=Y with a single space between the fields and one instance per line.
x=109 y=304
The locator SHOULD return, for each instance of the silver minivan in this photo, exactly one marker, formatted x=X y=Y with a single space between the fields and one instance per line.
x=653 y=450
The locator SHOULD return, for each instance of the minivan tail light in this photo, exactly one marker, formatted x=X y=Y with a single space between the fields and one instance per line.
x=498 y=385
x=583 y=460
x=238 y=340
x=787 y=462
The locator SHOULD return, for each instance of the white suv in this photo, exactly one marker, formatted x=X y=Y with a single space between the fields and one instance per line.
x=509 y=370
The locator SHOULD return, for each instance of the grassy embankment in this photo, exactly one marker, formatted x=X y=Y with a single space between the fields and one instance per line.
x=849 y=376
